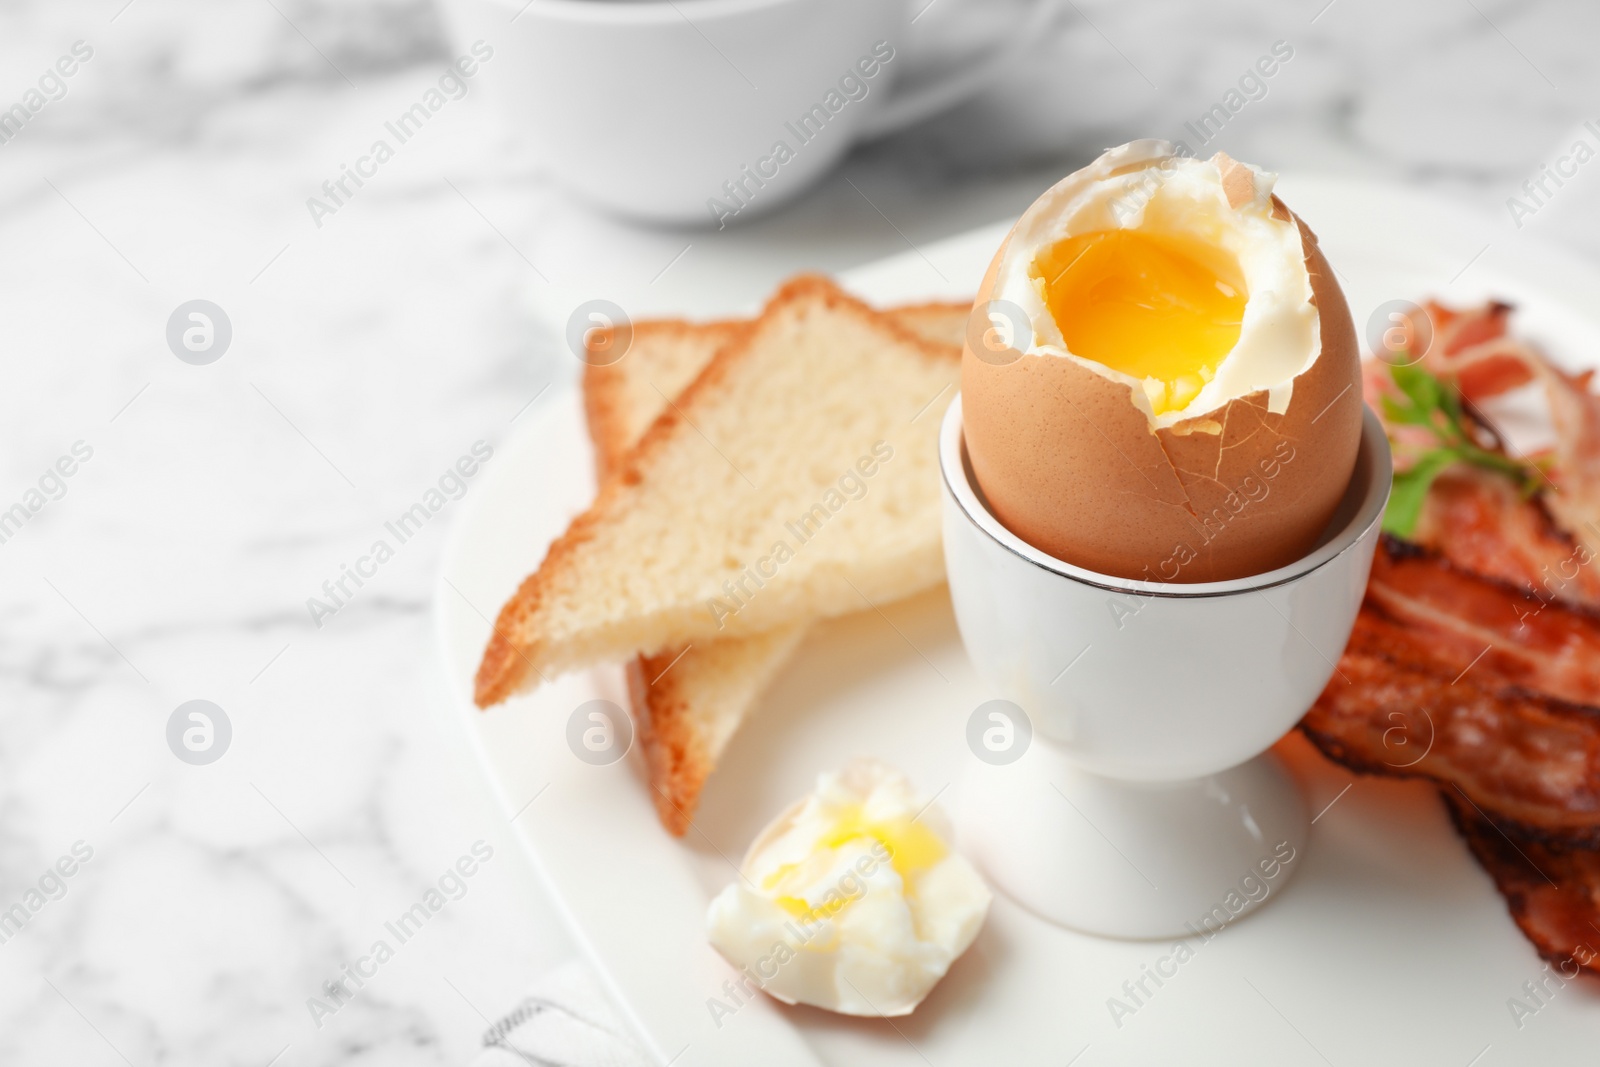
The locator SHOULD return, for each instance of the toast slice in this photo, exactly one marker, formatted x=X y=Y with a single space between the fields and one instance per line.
x=623 y=398
x=689 y=701
x=795 y=478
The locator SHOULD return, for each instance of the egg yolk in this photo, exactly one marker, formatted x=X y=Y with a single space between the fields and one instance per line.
x=912 y=848
x=1161 y=308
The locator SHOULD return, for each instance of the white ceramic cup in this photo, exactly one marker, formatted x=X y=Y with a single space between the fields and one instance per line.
x=1143 y=801
x=664 y=109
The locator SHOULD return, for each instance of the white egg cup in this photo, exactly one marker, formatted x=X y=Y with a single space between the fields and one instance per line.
x=1144 y=805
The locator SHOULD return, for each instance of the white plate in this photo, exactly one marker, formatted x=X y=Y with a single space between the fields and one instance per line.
x=1389 y=945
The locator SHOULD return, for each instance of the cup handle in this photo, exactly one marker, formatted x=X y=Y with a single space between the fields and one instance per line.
x=905 y=109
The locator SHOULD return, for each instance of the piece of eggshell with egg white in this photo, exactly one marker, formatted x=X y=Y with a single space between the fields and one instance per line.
x=1070 y=461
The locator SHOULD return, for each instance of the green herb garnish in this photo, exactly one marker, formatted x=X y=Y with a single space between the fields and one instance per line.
x=1435 y=404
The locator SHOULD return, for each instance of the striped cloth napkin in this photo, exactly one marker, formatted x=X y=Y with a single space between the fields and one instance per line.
x=566 y=1019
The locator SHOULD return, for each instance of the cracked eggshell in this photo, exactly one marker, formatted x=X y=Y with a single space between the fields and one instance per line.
x=1069 y=463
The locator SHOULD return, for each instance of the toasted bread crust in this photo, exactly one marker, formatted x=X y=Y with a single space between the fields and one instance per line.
x=688 y=704
x=605 y=386
x=797 y=289
x=675 y=754
x=933 y=321
x=512 y=655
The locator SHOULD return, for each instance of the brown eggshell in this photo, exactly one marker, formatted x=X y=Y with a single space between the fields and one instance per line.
x=1070 y=465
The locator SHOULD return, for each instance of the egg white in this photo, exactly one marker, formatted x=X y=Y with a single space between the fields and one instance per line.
x=882 y=952
x=1145 y=185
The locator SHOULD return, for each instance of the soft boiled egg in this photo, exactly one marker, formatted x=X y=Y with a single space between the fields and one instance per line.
x=852 y=900
x=1164 y=383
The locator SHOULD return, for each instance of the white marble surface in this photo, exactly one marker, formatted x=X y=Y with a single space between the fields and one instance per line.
x=371 y=353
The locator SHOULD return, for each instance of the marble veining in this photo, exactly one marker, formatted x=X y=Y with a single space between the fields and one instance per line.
x=369 y=353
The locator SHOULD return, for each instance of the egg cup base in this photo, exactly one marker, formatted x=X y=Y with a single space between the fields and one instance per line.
x=1174 y=860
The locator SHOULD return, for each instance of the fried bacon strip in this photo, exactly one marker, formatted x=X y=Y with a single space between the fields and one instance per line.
x=1575 y=413
x=1485 y=632
x=1472 y=349
x=1479 y=521
x=1467 y=683
x=1553 y=893
x=1535 y=760
x=1475 y=661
